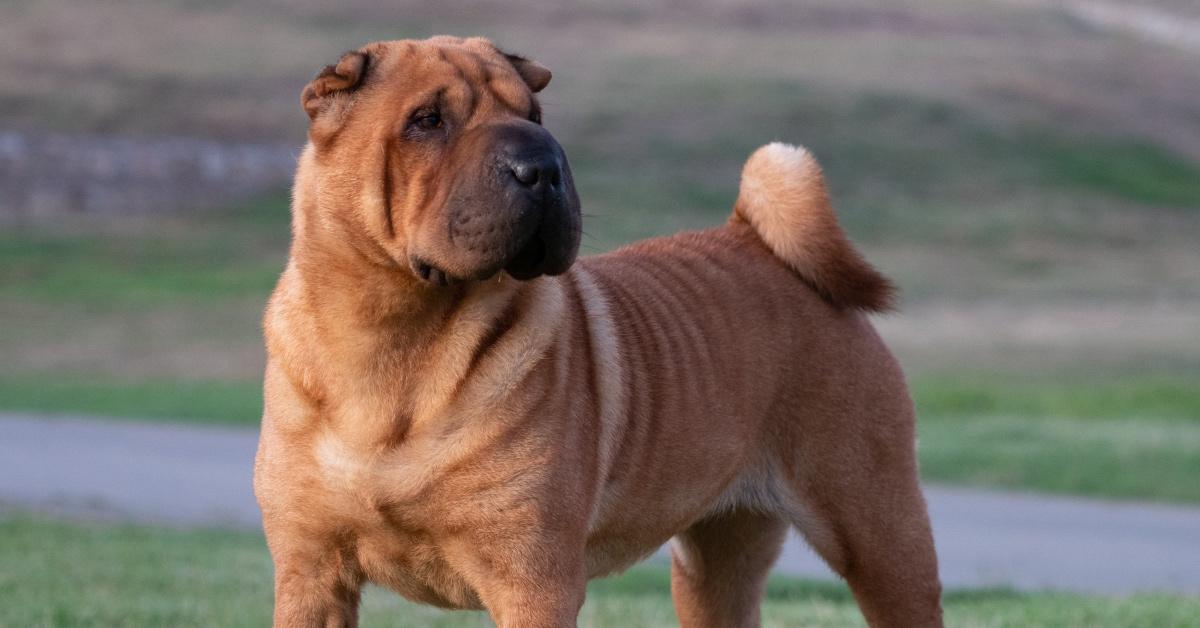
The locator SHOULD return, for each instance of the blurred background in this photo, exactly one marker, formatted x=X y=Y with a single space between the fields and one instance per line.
x=1028 y=171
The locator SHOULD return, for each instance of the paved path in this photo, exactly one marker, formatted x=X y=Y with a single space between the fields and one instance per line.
x=197 y=475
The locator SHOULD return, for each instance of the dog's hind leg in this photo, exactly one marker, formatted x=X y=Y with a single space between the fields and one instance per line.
x=719 y=568
x=855 y=497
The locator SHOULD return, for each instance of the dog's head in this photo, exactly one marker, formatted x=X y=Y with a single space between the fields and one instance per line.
x=433 y=153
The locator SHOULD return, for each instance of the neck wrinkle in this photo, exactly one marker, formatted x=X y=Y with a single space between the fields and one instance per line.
x=395 y=339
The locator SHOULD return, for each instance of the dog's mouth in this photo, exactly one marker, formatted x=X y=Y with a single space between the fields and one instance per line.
x=528 y=262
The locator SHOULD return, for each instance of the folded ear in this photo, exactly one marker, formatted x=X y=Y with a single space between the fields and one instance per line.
x=535 y=75
x=332 y=80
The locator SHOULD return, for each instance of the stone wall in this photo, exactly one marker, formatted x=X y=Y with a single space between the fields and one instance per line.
x=47 y=174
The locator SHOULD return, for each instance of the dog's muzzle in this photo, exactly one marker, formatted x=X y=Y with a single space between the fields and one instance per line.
x=520 y=215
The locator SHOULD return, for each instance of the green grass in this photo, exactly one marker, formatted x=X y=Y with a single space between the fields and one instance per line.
x=134 y=263
x=1129 y=458
x=1129 y=170
x=1127 y=436
x=55 y=573
x=1157 y=394
x=230 y=402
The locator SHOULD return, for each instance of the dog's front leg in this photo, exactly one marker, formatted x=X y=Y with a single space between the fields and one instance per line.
x=534 y=581
x=538 y=605
x=549 y=602
x=317 y=584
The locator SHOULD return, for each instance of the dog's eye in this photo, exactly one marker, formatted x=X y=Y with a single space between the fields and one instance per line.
x=426 y=120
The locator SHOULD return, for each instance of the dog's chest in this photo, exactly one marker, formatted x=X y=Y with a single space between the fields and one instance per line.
x=363 y=483
x=380 y=495
x=410 y=563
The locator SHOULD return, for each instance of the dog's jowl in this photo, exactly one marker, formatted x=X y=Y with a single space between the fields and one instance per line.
x=460 y=410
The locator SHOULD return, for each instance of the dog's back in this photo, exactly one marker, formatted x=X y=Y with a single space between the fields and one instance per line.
x=742 y=340
x=750 y=345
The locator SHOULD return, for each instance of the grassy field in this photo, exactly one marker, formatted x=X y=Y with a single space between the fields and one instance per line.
x=1031 y=181
x=67 y=574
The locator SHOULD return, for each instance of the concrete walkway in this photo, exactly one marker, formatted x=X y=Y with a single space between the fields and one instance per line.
x=192 y=475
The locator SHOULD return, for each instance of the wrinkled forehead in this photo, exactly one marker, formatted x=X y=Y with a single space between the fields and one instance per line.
x=464 y=73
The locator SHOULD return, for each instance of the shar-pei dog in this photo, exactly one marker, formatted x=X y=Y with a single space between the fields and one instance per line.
x=458 y=409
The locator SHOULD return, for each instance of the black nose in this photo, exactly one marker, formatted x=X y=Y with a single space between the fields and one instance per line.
x=537 y=172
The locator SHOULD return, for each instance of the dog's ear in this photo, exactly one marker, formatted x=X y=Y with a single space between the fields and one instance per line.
x=334 y=81
x=535 y=75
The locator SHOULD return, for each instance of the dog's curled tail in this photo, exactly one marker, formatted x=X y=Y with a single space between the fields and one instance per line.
x=783 y=197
